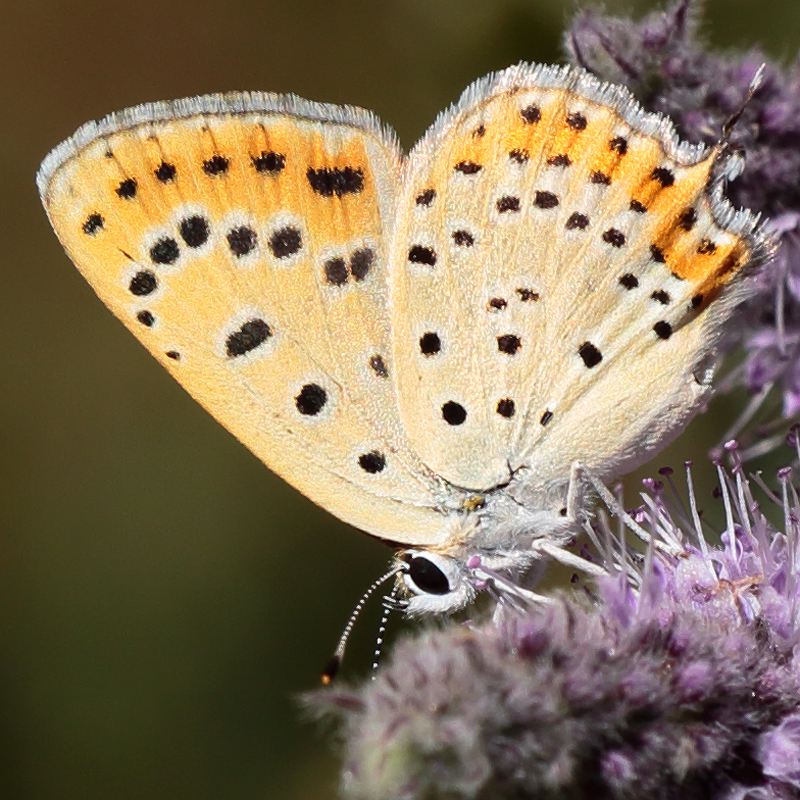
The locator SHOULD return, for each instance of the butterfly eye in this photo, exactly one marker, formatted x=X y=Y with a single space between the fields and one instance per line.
x=427 y=577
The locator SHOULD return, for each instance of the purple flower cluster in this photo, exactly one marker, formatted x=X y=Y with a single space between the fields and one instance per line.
x=666 y=66
x=677 y=676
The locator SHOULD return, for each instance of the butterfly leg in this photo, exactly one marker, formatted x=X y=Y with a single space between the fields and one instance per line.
x=569 y=559
x=614 y=506
x=575 y=494
x=393 y=603
x=574 y=490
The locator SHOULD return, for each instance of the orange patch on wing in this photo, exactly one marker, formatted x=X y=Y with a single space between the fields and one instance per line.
x=583 y=145
x=690 y=254
x=725 y=264
x=567 y=140
x=504 y=131
x=354 y=209
x=633 y=171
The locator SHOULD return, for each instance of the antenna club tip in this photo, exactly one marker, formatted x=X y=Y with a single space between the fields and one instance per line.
x=330 y=671
x=758 y=77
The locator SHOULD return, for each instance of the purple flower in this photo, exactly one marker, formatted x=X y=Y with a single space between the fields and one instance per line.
x=678 y=675
x=779 y=751
x=662 y=61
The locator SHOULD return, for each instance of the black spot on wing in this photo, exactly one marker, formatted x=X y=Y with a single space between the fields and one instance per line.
x=127 y=189
x=531 y=114
x=506 y=407
x=165 y=172
x=268 y=161
x=361 y=262
x=468 y=167
x=241 y=240
x=545 y=199
x=422 y=255
x=194 y=230
x=165 y=251
x=560 y=160
x=664 y=176
x=430 y=344
x=662 y=329
x=335 y=271
x=372 y=462
x=590 y=354
x=378 y=366
x=251 y=335
x=577 y=221
x=577 y=121
x=509 y=344
x=216 y=165
x=619 y=144
x=507 y=204
x=336 y=181
x=143 y=283
x=426 y=197
x=688 y=219
x=285 y=242
x=93 y=224
x=614 y=237
x=454 y=413
x=311 y=399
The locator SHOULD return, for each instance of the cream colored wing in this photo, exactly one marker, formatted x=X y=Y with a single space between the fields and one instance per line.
x=563 y=268
x=242 y=239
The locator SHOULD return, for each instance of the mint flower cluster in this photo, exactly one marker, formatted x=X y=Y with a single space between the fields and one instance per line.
x=676 y=676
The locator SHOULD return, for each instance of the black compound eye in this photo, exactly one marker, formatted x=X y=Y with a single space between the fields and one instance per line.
x=427 y=576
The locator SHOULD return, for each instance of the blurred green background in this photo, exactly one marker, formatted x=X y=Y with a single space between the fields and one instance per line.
x=163 y=597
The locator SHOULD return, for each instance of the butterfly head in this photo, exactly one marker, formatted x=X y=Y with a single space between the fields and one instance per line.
x=435 y=583
x=498 y=547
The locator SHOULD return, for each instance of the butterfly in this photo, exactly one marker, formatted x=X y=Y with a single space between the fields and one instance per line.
x=427 y=344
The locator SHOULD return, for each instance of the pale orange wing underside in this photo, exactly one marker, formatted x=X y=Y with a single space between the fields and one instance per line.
x=243 y=241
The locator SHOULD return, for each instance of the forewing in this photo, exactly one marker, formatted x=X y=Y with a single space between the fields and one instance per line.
x=242 y=239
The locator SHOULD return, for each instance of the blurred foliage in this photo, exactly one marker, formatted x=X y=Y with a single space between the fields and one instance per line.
x=163 y=597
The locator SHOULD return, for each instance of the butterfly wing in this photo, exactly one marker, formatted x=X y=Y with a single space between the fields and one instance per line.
x=564 y=265
x=242 y=239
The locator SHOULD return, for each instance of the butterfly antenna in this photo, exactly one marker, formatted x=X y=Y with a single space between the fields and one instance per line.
x=332 y=667
x=388 y=606
x=758 y=79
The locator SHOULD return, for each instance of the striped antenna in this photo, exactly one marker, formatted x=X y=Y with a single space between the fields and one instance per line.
x=332 y=667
